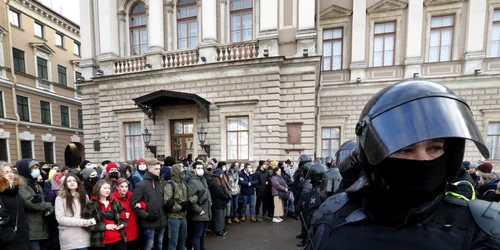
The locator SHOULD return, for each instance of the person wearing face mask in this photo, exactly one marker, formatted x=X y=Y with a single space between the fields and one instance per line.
x=90 y=178
x=234 y=176
x=44 y=170
x=141 y=167
x=36 y=208
x=225 y=179
x=411 y=139
x=112 y=174
x=210 y=167
x=247 y=189
x=14 y=233
x=127 y=172
x=263 y=191
x=201 y=212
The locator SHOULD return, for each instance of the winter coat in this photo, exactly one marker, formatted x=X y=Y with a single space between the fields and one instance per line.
x=150 y=191
x=262 y=188
x=72 y=235
x=288 y=180
x=179 y=195
x=132 y=228
x=99 y=236
x=35 y=212
x=234 y=177
x=199 y=195
x=278 y=185
x=245 y=189
x=220 y=196
x=138 y=177
x=13 y=202
x=166 y=173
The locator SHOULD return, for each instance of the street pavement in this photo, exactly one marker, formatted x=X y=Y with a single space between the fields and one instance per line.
x=257 y=236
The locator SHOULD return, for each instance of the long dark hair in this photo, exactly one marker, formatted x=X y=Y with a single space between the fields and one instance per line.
x=275 y=171
x=82 y=196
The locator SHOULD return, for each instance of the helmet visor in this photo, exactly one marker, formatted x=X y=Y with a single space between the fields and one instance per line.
x=342 y=154
x=417 y=121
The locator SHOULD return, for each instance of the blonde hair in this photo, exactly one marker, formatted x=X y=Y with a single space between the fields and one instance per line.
x=2 y=165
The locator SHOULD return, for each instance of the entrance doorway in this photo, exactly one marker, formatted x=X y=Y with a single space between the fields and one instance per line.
x=74 y=154
x=181 y=132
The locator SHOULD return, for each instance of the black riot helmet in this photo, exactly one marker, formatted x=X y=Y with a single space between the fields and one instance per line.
x=411 y=112
x=344 y=151
x=305 y=169
x=303 y=159
x=331 y=181
x=319 y=160
x=329 y=162
x=315 y=174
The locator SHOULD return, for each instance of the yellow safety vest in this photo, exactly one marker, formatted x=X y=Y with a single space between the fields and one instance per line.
x=459 y=196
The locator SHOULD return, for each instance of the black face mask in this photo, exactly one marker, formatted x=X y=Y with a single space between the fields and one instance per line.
x=209 y=169
x=93 y=179
x=113 y=175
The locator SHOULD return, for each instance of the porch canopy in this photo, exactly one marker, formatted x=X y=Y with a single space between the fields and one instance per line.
x=152 y=101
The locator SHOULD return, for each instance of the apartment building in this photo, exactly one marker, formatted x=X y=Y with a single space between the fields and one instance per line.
x=38 y=74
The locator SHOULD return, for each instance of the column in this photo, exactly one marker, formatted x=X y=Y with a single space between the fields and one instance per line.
x=268 y=30
x=306 y=33
x=413 y=57
x=155 y=26
x=122 y=26
x=207 y=47
x=358 y=60
x=170 y=25
x=474 y=50
x=223 y=23
x=88 y=63
x=108 y=30
x=2 y=61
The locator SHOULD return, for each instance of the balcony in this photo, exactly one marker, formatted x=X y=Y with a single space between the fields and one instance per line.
x=180 y=58
x=237 y=51
x=130 y=64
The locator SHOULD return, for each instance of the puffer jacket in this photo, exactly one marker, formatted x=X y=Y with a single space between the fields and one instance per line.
x=234 y=177
x=13 y=202
x=199 y=195
x=178 y=195
x=150 y=191
x=72 y=235
x=262 y=188
x=35 y=205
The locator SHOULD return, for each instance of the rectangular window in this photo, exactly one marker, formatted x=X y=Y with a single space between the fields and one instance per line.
x=19 y=65
x=493 y=139
x=43 y=72
x=61 y=74
x=4 y=153
x=46 y=114
x=2 y=114
x=237 y=138
x=495 y=35
x=133 y=140
x=23 y=109
x=59 y=40
x=441 y=39
x=39 y=32
x=241 y=20
x=330 y=141
x=76 y=48
x=26 y=149
x=65 y=116
x=187 y=26
x=48 y=149
x=15 y=18
x=383 y=44
x=332 y=49
x=80 y=119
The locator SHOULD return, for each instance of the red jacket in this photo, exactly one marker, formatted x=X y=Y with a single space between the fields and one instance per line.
x=132 y=229
x=110 y=236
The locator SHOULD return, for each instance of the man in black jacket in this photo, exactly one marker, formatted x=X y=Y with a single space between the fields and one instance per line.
x=262 y=190
x=153 y=219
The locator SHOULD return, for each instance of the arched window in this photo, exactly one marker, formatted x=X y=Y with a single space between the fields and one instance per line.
x=187 y=24
x=241 y=20
x=138 y=29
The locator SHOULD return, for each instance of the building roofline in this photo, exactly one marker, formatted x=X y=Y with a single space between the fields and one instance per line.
x=55 y=13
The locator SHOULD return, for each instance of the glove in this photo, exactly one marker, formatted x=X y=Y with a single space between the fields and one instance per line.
x=186 y=205
x=167 y=207
x=152 y=217
x=36 y=199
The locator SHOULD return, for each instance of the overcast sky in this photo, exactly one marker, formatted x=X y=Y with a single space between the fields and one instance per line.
x=68 y=8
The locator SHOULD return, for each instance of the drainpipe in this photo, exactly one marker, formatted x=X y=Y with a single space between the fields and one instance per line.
x=14 y=81
x=319 y=87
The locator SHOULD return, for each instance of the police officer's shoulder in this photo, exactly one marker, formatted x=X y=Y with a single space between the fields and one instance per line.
x=334 y=203
x=487 y=217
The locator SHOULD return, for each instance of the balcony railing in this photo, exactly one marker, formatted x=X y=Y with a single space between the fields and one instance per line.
x=237 y=51
x=130 y=64
x=180 y=58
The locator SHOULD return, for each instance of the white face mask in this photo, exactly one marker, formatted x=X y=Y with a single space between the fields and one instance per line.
x=142 y=167
x=199 y=172
x=250 y=171
x=224 y=169
x=241 y=168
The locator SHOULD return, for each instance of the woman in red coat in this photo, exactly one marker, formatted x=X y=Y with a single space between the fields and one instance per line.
x=123 y=195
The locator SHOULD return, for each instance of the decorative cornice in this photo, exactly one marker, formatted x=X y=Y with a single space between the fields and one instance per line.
x=43 y=47
x=334 y=11
x=387 y=5
x=41 y=125
x=439 y=2
x=237 y=103
x=41 y=92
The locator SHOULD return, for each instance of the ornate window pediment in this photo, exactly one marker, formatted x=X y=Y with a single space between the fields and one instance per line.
x=439 y=2
x=387 y=5
x=43 y=47
x=335 y=11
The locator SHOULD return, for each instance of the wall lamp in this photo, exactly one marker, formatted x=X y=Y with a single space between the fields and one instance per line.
x=202 y=137
x=146 y=137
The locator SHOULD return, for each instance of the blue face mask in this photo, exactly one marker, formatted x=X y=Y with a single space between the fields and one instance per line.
x=35 y=173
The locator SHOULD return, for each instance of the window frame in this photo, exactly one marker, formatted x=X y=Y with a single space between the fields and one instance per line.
x=240 y=12
x=80 y=118
x=497 y=136
x=7 y=159
x=332 y=41
x=62 y=77
x=394 y=34
x=21 y=109
x=52 y=153
x=41 y=68
x=32 y=153
x=62 y=45
x=125 y=136
x=138 y=28
x=2 y=105
x=69 y=116
x=187 y=20
x=77 y=46
x=42 y=111
x=452 y=44
x=18 y=60
x=237 y=138
x=42 y=30
x=18 y=17
x=330 y=139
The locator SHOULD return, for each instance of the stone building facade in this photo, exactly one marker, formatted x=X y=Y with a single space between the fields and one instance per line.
x=272 y=79
x=38 y=71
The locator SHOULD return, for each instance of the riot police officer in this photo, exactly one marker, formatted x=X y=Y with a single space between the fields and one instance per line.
x=301 y=186
x=344 y=151
x=329 y=162
x=411 y=143
x=331 y=181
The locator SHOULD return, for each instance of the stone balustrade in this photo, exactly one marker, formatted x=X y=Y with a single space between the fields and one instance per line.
x=180 y=58
x=237 y=51
x=130 y=64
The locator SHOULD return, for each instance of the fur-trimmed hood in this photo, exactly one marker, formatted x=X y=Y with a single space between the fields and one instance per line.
x=4 y=183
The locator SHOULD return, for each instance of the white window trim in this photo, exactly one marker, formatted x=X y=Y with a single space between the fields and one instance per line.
x=27 y=136
x=128 y=117
x=24 y=53
x=236 y=110
x=444 y=10
x=19 y=18
x=41 y=54
x=256 y=21
x=6 y=136
x=127 y=26
x=43 y=29
x=343 y=23
x=29 y=107
x=198 y=22
x=75 y=43
x=490 y=116
x=32 y=148
x=491 y=10
x=67 y=83
x=62 y=40
x=69 y=115
x=386 y=17
x=52 y=139
x=329 y=122
x=51 y=118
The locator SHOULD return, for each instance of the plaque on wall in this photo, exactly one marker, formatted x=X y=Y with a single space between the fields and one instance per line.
x=294 y=131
